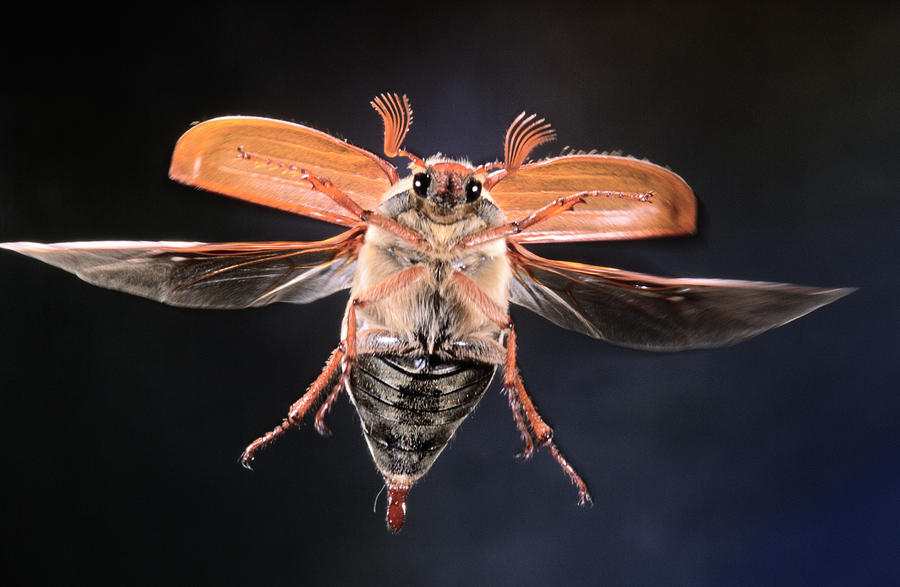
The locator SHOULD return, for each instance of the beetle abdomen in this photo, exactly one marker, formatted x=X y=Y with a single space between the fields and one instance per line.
x=410 y=407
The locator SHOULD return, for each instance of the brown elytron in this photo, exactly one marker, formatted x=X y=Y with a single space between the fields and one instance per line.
x=432 y=262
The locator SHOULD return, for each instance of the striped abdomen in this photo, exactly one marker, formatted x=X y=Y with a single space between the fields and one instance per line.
x=410 y=407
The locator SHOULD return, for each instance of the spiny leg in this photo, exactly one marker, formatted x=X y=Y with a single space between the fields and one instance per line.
x=485 y=350
x=528 y=420
x=298 y=410
x=350 y=344
x=376 y=293
x=542 y=432
x=344 y=357
x=510 y=378
x=326 y=187
x=369 y=340
x=558 y=206
x=554 y=208
x=319 y=420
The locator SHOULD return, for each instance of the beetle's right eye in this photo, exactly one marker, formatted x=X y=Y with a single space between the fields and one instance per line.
x=421 y=181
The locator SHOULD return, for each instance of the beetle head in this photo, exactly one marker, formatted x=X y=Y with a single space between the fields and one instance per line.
x=446 y=191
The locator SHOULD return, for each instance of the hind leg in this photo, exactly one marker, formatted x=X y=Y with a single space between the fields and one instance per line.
x=529 y=422
x=299 y=409
x=339 y=365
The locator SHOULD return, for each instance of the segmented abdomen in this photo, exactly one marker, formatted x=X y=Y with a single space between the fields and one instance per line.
x=410 y=407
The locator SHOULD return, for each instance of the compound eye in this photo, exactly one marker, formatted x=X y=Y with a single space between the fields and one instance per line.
x=421 y=181
x=473 y=189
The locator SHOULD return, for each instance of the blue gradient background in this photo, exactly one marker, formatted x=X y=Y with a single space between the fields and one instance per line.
x=774 y=462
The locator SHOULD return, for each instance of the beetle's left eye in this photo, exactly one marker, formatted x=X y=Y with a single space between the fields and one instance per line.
x=473 y=190
x=421 y=181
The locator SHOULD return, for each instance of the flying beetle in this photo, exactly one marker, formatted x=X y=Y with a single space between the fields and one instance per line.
x=432 y=261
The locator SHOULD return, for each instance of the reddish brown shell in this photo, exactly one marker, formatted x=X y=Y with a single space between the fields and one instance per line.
x=261 y=160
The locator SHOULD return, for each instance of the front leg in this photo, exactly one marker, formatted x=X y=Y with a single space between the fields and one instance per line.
x=324 y=186
x=555 y=208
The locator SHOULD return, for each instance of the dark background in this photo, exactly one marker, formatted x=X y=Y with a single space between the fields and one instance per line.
x=773 y=462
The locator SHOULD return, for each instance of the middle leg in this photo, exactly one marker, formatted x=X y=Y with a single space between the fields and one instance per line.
x=374 y=341
x=341 y=359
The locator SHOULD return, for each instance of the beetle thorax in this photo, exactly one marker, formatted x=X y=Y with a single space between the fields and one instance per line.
x=431 y=310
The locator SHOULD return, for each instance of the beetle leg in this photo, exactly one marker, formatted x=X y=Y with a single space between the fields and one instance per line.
x=369 y=340
x=319 y=420
x=376 y=293
x=543 y=433
x=526 y=415
x=350 y=344
x=324 y=186
x=343 y=357
x=512 y=383
x=486 y=350
x=556 y=207
x=299 y=409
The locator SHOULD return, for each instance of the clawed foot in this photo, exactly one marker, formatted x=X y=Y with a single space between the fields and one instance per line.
x=527 y=450
x=584 y=497
x=319 y=421
x=246 y=459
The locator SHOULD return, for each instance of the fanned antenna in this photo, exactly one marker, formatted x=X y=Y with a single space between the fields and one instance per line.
x=524 y=134
x=396 y=113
